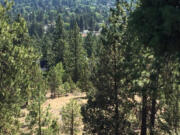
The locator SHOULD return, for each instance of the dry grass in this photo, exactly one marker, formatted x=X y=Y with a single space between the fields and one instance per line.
x=56 y=105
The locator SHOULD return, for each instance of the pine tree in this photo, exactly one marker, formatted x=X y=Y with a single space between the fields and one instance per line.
x=71 y=118
x=59 y=45
x=75 y=55
x=16 y=63
x=169 y=118
x=22 y=32
x=55 y=79
x=38 y=119
x=81 y=23
x=108 y=110
x=143 y=83
x=90 y=44
x=154 y=23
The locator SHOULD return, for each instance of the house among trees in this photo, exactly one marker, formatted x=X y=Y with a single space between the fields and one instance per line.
x=84 y=33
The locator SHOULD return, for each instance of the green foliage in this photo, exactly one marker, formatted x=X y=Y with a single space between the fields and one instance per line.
x=155 y=23
x=169 y=118
x=55 y=76
x=90 y=44
x=16 y=64
x=130 y=72
x=34 y=104
x=39 y=120
x=109 y=104
x=71 y=118
x=75 y=56
x=55 y=127
x=49 y=126
x=85 y=12
x=67 y=87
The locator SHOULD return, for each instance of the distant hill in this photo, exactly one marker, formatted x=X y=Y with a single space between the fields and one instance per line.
x=88 y=13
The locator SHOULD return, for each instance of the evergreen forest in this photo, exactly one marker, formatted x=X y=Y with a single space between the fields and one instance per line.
x=89 y=67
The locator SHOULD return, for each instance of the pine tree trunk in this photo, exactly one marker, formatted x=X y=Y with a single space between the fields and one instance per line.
x=72 y=122
x=117 y=120
x=39 y=114
x=76 y=66
x=154 y=98
x=176 y=120
x=116 y=92
x=116 y=108
x=153 y=113
x=116 y=111
x=144 y=114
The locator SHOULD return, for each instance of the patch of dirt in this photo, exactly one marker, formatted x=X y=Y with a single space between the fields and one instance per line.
x=56 y=104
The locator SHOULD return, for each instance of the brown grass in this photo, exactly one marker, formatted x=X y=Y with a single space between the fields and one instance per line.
x=56 y=104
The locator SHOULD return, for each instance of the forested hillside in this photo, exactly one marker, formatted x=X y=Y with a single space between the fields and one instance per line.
x=89 y=14
x=89 y=67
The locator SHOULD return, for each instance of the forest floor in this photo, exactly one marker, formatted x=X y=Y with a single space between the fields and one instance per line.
x=56 y=104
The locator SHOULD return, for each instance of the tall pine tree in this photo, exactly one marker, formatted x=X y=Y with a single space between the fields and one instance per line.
x=108 y=110
x=16 y=63
x=155 y=24
x=75 y=54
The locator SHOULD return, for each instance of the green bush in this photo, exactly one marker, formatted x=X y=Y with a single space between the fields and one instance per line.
x=67 y=87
